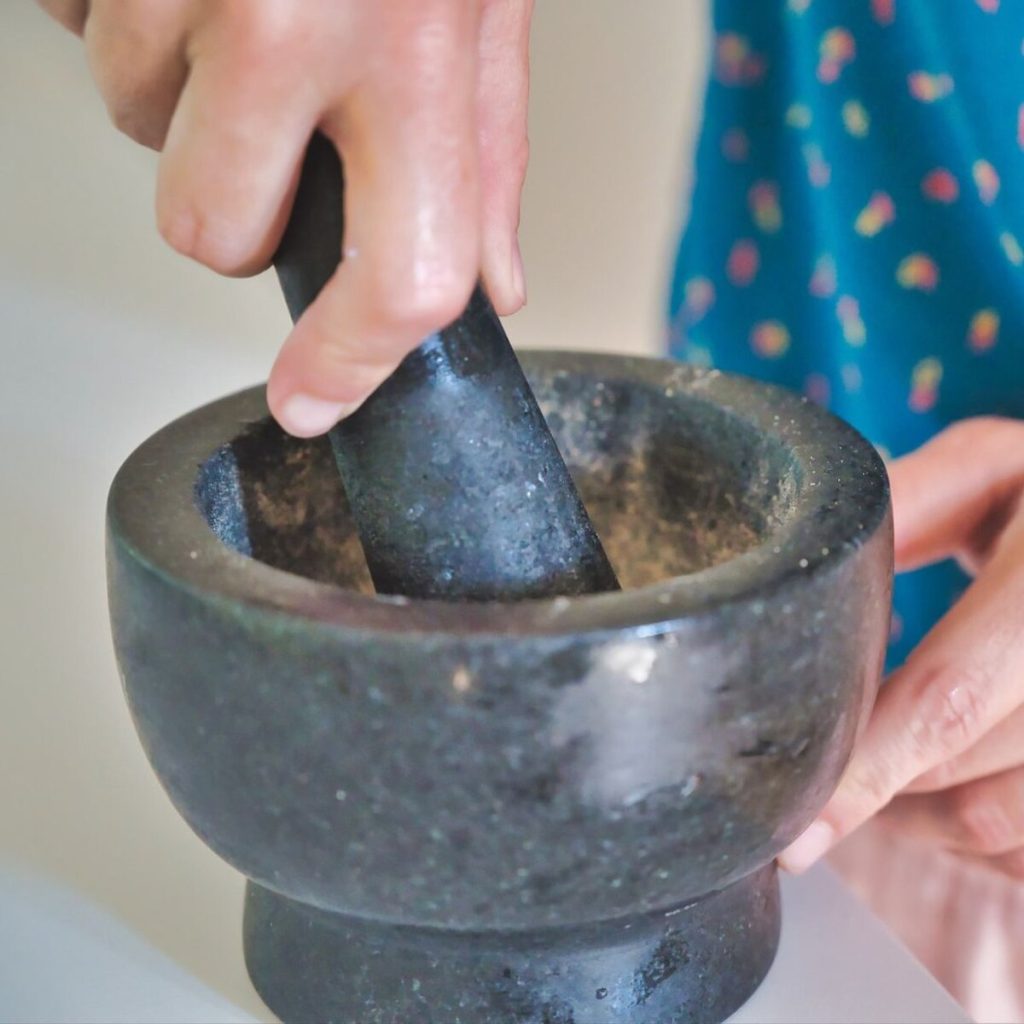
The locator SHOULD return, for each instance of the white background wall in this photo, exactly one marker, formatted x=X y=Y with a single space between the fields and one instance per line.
x=617 y=88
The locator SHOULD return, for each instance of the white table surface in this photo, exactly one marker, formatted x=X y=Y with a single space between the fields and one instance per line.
x=110 y=908
x=63 y=958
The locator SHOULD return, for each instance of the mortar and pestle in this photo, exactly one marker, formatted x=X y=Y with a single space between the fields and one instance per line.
x=469 y=776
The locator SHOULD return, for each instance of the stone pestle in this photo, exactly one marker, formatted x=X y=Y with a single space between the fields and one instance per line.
x=456 y=485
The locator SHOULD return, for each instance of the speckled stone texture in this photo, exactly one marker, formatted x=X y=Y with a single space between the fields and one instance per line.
x=485 y=811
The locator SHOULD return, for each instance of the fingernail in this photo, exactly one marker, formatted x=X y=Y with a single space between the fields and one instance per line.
x=518 y=274
x=306 y=416
x=810 y=847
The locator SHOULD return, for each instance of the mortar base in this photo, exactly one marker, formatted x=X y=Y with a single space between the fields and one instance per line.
x=695 y=963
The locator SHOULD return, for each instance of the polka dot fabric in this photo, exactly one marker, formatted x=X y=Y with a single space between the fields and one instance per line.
x=857 y=224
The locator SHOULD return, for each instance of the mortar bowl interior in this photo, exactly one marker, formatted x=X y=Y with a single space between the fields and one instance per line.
x=670 y=495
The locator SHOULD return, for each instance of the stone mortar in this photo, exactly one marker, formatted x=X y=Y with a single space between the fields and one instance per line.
x=555 y=811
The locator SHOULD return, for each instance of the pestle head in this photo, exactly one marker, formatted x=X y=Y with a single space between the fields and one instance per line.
x=456 y=485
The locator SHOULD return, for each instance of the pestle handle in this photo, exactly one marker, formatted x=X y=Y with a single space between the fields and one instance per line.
x=456 y=485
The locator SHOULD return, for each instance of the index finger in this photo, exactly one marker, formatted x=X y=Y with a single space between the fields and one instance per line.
x=412 y=242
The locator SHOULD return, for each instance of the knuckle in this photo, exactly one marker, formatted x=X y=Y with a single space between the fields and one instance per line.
x=436 y=305
x=265 y=30
x=202 y=238
x=430 y=303
x=948 y=715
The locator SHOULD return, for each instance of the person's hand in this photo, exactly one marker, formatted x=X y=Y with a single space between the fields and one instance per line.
x=425 y=101
x=943 y=752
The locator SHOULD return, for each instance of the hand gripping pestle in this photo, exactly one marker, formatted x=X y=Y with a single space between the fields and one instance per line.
x=457 y=488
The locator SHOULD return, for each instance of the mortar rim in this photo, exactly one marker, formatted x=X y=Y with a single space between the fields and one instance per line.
x=152 y=497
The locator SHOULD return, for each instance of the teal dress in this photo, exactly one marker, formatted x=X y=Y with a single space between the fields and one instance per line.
x=857 y=225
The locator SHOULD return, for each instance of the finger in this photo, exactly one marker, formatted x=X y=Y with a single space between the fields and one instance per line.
x=71 y=14
x=964 y=678
x=984 y=817
x=1000 y=749
x=502 y=95
x=411 y=233
x=230 y=161
x=136 y=53
x=952 y=496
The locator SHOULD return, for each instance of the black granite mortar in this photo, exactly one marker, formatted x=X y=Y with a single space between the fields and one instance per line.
x=553 y=811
